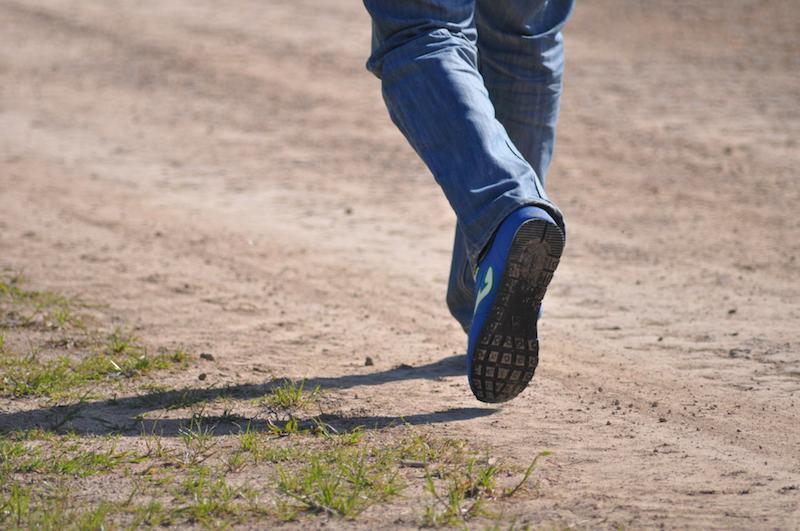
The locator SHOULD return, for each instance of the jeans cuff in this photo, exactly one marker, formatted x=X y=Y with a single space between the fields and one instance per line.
x=476 y=248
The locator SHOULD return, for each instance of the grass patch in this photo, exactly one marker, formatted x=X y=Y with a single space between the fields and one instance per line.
x=198 y=439
x=118 y=357
x=63 y=353
x=342 y=481
x=199 y=479
x=60 y=457
x=27 y=375
x=459 y=493
x=260 y=447
x=20 y=307
x=206 y=497
x=28 y=508
x=291 y=394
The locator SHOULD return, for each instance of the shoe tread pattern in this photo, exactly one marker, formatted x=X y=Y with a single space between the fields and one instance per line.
x=507 y=352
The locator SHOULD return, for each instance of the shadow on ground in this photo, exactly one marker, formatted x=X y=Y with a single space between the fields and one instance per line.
x=123 y=415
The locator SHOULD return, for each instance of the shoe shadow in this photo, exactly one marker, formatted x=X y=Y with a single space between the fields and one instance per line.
x=450 y=366
x=122 y=416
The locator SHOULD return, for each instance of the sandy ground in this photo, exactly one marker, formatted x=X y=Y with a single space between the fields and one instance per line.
x=227 y=179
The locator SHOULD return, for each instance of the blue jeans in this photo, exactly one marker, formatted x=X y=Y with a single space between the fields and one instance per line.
x=474 y=85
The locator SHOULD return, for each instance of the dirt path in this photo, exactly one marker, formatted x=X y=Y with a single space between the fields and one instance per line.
x=228 y=180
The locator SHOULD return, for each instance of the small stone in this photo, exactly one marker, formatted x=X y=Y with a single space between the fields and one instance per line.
x=368 y=361
x=202 y=376
x=206 y=356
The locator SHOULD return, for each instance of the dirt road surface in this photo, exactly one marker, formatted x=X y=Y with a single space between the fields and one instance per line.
x=224 y=176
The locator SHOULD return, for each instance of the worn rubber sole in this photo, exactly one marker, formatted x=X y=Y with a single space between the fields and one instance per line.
x=508 y=346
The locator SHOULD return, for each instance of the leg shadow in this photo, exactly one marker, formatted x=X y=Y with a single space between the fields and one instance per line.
x=120 y=415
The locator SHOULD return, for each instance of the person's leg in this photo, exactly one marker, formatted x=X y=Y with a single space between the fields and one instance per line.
x=426 y=56
x=521 y=57
x=425 y=53
x=461 y=284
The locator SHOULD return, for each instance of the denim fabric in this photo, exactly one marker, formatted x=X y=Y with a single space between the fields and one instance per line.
x=474 y=85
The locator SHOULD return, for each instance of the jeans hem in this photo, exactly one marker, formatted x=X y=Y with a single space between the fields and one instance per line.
x=476 y=248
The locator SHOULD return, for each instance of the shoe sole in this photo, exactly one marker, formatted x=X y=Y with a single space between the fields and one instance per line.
x=508 y=345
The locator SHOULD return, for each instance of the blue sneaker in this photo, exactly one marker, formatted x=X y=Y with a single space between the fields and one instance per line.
x=503 y=348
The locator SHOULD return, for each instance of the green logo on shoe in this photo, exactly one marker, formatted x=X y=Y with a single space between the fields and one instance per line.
x=487 y=287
